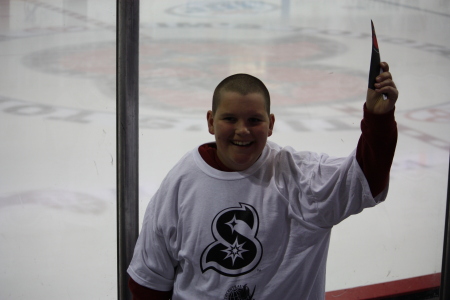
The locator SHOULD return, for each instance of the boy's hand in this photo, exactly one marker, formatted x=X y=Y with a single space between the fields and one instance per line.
x=375 y=102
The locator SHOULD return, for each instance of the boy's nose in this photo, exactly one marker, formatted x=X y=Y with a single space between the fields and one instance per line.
x=241 y=128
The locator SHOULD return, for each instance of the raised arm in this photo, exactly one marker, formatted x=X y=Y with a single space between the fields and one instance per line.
x=376 y=146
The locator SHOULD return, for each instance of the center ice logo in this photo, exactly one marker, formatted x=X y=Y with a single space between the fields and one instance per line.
x=236 y=249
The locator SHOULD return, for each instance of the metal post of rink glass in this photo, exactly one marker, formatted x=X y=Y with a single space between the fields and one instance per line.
x=444 y=293
x=127 y=59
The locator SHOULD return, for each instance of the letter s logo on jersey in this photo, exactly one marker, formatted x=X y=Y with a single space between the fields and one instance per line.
x=236 y=250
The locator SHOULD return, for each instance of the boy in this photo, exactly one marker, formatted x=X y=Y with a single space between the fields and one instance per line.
x=244 y=218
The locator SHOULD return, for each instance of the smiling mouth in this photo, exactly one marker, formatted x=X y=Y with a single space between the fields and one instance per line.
x=241 y=144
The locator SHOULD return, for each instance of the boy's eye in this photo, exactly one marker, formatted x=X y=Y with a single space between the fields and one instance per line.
x=230 y=119
x=255 y=120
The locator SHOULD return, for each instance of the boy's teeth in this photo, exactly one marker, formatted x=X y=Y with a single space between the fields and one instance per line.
x=241 y=143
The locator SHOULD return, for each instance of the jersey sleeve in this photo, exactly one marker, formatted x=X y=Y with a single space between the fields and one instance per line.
x=323 y=190
x=339 y=189
x=376 y=147
x=329 y=189
x=153 y=264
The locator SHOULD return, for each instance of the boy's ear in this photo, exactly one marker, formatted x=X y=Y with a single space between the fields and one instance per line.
x=271 y=124
x=210 y=119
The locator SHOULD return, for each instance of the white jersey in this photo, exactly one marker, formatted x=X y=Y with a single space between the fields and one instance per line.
x=262 y=233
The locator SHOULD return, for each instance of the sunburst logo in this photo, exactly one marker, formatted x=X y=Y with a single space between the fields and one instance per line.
x=235 y=251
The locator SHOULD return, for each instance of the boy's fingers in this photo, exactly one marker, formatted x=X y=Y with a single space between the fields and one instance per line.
x=384 y=65
x=390 y=91
x=384 y=76
x=386 y=82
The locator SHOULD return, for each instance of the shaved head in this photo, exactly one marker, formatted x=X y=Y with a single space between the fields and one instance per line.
x=243 y=84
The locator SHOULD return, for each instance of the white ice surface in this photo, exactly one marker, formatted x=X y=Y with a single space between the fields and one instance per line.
x=57 y=123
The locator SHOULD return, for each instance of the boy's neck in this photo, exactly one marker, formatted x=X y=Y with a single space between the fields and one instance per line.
x=209 y=154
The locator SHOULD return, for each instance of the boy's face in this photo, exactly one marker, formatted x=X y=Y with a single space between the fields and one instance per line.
x=241 y=126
